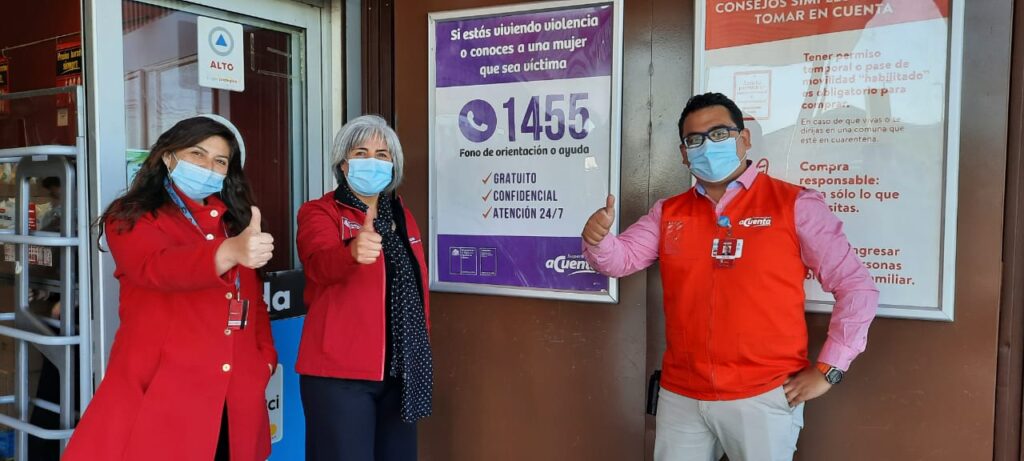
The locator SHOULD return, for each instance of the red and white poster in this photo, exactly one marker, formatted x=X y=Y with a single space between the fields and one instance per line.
x=5 y=83
x=69 y=66
x=856 y=99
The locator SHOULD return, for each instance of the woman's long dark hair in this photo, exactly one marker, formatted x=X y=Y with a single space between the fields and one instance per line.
x=147 y=193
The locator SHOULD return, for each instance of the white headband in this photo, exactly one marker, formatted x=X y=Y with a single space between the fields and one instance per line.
x=234 y=130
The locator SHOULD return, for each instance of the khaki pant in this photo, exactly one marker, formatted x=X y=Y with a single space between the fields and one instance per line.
x=759 y=428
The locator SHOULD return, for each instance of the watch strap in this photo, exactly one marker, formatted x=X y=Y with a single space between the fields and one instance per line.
x=832 y=374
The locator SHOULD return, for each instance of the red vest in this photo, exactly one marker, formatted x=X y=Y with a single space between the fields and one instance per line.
x=733 y=332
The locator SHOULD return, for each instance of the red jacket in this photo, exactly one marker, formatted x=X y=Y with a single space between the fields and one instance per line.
x=733 y=332
x=343 y=336
x=174 y=364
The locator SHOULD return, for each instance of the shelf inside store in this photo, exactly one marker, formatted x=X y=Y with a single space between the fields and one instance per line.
x=33 y=151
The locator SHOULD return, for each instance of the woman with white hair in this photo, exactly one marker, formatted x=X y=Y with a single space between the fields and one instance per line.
x=364 y=360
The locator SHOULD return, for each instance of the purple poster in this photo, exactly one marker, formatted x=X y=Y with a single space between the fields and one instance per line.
x=523 y=119
x=549 y=45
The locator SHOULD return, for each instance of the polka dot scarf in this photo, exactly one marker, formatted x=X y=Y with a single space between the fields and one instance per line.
x=410 y=355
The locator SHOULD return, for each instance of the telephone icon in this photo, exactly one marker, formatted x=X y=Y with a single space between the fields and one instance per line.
x=477 y=120
x=473 y=123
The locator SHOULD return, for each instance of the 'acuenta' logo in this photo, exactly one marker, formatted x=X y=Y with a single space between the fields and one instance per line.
x=758 y=221
x=573 y=264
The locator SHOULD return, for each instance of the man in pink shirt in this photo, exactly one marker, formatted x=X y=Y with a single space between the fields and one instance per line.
x=736 y=373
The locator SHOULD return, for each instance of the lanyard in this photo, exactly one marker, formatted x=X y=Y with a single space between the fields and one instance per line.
x=188 y=214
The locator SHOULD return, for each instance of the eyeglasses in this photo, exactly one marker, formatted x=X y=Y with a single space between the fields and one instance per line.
x=718 y=134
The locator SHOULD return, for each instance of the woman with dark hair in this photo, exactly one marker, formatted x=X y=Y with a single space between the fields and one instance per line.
x=193 y=354
x=364 y=360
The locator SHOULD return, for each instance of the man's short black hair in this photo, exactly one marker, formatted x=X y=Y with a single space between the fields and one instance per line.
x=50 y=182
x=702 y=101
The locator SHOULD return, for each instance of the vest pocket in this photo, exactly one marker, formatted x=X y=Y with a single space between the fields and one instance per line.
x=768 y=357
x=338 y=347
x=674 y=244
x=678 y=369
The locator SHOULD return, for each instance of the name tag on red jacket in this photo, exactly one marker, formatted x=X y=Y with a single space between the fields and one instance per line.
x=349 y=228
x=238 y=314
x=726 y=251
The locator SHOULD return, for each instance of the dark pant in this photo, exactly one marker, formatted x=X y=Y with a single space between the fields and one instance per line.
x=355 y=420
x=223 y=452
x=48 y=388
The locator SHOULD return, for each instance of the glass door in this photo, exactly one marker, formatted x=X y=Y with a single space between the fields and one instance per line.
x=156 y=68
x=163 y=84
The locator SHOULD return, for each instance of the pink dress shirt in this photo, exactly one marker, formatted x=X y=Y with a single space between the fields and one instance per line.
x=823 y=248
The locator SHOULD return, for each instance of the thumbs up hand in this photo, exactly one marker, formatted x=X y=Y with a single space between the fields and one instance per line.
x=254 y=220
x=254 y=248
x=600 y=222
x=367 y=246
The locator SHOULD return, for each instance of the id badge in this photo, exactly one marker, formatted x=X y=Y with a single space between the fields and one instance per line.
x=726 y=251
x=238 y=314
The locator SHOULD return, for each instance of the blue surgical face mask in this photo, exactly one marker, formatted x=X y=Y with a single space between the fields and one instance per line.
x=195 y=181
x=714 y=161
x=368 y=176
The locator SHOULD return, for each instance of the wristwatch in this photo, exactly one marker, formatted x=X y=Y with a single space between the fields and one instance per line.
x=832 y=374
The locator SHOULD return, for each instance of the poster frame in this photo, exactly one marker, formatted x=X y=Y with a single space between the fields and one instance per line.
x=944 y=311
x=614 y=152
